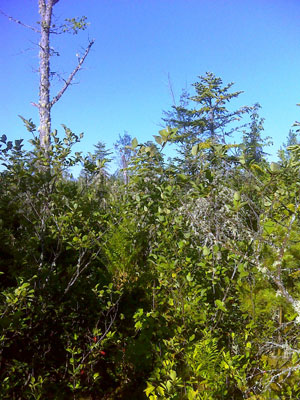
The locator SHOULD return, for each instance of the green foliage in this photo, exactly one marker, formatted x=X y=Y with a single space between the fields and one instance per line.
x=180 y=281
x=52 y=229
x=205 y=117
x=73 y=25
x=253 y=143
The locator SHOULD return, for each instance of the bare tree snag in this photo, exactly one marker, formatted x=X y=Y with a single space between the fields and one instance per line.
x=45 y=104
x=45 y=11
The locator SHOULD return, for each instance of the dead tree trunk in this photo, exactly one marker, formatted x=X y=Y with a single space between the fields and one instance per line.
x=45 y=11
x=45 y=103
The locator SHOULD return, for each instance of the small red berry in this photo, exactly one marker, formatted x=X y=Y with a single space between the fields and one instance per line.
x=82 y=372
x=95 y=339
x=102 y=353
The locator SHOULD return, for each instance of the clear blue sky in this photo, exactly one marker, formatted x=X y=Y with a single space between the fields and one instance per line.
x=124 y=83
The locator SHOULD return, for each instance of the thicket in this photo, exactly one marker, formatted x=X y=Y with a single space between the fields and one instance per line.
x=175 y=279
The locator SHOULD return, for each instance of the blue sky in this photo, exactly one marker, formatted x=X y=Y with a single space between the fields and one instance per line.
x=124 y=83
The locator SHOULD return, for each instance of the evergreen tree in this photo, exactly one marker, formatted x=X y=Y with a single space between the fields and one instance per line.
x=96 y=163
x=209 y=118
x=102 y=154
x=291 y=140
x=253 y=143
x=124 y=153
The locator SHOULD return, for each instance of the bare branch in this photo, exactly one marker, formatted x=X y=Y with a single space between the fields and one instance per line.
x=80 y=268
x=171 y=89
x=20 y=22
x=69 y=80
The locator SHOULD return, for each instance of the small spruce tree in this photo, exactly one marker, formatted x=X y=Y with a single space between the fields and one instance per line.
x=253 y=143
x=204 y=116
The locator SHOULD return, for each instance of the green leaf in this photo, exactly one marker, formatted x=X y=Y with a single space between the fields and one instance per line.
x=204 y=145
x=95 y=376
x=205 y=251
x=158 y=139
x=294 y=358
x=270 y=227
x=138 y=325
x=160 y=391
x=192 y=394
x=242 y=271
x=181 y=244
x=173 y=375
x=183 y=177
x=150 y=388
x=191 y=338
x=274 y=167
x=220 y=305
x=134 y=143
x=256 y=167
x=237 y=196
x=226 y=366
x=195 y=150
x=164 y=133
x=242 y=159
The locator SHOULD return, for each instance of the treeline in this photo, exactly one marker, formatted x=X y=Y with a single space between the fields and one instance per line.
x=172 y=279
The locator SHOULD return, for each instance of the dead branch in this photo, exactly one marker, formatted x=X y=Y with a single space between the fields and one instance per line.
x=69 y=80
x=20 y=22
x=170 y=86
